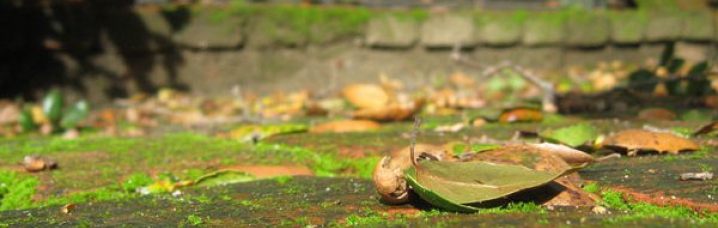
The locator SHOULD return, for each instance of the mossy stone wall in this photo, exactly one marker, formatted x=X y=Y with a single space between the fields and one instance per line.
x=285 y=26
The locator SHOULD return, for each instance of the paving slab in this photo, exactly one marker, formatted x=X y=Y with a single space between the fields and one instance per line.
x=300 y=202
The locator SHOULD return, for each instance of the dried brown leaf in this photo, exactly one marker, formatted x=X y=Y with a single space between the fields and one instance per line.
x=520 y=115
x=656 y=114
x=366 y=96
x=345 y=126
x=634 y=140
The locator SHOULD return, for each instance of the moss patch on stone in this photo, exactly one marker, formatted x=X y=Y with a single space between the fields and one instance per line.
x=500 y=28
x=545 y=28
x=627 y=27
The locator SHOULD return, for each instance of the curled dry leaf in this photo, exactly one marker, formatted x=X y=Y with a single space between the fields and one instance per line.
x=542 y=156
x=390 y=182
x=634 y=140
x=345 y=126
x=34 y=163
x=520 y=115
x=388 y=174
x=366 y=96
x=656 y=114
x=569 y=155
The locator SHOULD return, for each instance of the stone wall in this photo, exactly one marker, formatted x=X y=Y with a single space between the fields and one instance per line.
x=119 y=51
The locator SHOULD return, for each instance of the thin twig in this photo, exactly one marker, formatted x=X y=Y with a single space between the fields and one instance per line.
x=548 y=100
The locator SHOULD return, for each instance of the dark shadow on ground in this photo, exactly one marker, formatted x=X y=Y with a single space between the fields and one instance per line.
x=50 y=45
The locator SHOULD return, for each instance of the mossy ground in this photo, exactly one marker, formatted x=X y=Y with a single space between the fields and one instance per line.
x=100 y=174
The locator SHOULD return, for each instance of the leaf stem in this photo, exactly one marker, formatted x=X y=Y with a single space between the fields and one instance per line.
x=417 y=124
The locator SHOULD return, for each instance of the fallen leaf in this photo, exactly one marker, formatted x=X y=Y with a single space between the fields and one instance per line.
x=366 y=96
x=478 y=122
x=454 y=185
x=266 y=171
x=38 y=116
x=551 y=158
x=571 y=156
x=656 y=114
x=77 y=113
x=542 y=156
x=9 y=112
x=388 y=175
x=450 y=128
x=705 y=129
x=52 y=105
x=253 y=133
x=389 y=182
x=164 y=185
x=393 y=112
x=634 y=140
x=223 y=177
x=35 y=163
x=345 y=126
x=520 y=115
x=68 y=208
x=573 y=136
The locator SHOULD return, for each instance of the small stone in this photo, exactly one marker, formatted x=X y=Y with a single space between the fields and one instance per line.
x=702 y=176
x=599 y=210
x=71 y=134
x=68 y=208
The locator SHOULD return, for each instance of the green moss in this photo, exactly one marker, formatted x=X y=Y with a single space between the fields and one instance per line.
x=586 y=28
x=135 y=181
x=418 y=15
x=16 y=192
x=703 y=152
x=657 y=4
x=520 y=207
x=591 y=187
x=321 y=164
x=100 y=194
x=501 y=28
x=290 y=25
x=194 y=220
x=642 y=210
x=628 y=26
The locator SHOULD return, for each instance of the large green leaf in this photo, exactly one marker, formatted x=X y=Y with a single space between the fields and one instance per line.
x=452 y=185
x=52 y=105
x=573 y=136
x=77 y=113
x=223 y=177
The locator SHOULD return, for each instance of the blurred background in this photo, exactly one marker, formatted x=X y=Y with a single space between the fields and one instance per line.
x=105 y=49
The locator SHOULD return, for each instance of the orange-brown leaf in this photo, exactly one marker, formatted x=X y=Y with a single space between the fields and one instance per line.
x=639 y=139
x=345 y=126
x=520 y=115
